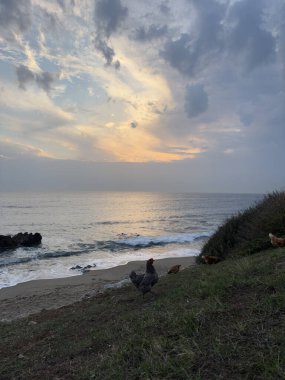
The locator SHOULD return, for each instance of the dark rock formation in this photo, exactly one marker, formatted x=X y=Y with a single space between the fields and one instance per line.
x=20 y=240
x=7 y=242
x=83 y=269
x=77 y=267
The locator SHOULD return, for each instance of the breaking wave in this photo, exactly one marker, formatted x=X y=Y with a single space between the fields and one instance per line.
x=143 y=241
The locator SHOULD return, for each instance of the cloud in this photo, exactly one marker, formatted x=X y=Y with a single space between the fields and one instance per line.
x=245 y=115
x=24 y=76
x=145 y=34
x=164 y=8
x=196 y=100
x=207 y=31
x=134 y=124
x=177 y=53
x=248 y=39
x=108 y=17
x=107 y=52
x=65 y=4
x=44 y=80
x=190 y=52
x=229 y=46
x=222 y=30
x=32 y=114
x=11 y=150
x=15 y=17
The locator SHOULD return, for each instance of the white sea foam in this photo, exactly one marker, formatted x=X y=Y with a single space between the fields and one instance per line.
x=110 y=261
x=144 y=241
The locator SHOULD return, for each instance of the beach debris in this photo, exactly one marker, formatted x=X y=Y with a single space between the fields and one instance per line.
x=123 y=235
x=20 y=240
x=175 y=269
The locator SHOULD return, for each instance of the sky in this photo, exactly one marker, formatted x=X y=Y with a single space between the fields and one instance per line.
x=153 y=95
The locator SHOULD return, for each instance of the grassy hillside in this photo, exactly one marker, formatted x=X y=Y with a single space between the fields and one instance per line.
x=247 y=232
x=225 y=321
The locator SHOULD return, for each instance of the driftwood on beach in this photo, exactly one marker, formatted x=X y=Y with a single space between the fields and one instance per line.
x=20 y=240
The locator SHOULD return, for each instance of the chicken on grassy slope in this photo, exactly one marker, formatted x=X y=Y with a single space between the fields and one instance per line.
x=145 y=282
x=175 y=269
x=210 y=259
x=277 y=242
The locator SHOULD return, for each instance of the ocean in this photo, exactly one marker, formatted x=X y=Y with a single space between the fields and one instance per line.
x=99 y=230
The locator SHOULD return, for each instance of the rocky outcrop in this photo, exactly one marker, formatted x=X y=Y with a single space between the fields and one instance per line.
x=83 y=269
x=20 y=240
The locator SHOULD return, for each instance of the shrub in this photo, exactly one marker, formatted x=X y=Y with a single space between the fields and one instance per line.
x=247 y=232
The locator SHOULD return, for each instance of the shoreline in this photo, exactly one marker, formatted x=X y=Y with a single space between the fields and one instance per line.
x=31 y=297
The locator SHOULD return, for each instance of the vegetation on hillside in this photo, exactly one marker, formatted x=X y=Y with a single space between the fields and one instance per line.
x=247 y=232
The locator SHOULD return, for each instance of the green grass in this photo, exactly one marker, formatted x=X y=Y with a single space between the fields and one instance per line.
x=225 y=321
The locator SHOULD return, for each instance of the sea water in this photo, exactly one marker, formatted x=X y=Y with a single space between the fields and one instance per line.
x=107 y=229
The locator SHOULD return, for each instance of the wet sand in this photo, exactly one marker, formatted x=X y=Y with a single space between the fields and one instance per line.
x=33 y=296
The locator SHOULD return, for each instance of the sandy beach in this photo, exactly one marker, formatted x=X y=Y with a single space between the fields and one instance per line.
x=31 y=297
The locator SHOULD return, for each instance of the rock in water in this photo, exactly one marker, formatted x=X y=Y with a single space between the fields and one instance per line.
x=21 y=239
x=7 y=242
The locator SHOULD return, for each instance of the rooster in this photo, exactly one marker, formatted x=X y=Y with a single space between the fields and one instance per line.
x=145 y=282
x=210 y=259
x=277 y=242
x=175 y=269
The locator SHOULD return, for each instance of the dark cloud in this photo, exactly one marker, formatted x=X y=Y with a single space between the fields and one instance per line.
x=24 y=76
x=15 y=17
x=108 y=16
x=164 y=8
x=107 y=52
x=189 y=52
x=208 y=33
x=44 y=80
x=196 y=100
x=144 y=34
x=153 y=107
x=134 y=124
x=247 y=38
x=178 y=54
x=117 y=64
x=221 y=30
